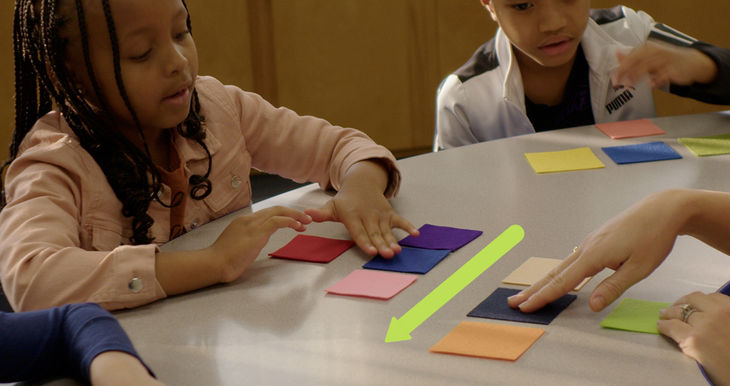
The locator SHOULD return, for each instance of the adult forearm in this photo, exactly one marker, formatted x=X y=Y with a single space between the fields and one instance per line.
x=708 y=216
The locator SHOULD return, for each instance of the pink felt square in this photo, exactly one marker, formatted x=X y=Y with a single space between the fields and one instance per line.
x=372 y=284
x=630 y=129
x=312 y=248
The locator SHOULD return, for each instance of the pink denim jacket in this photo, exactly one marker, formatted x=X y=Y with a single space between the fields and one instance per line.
x=63 y=238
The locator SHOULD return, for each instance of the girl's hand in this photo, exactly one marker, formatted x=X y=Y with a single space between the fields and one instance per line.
x=361 y=206
x=242 y=240
x=119 y=368
x=633 y=244
x=368 y=217
x=663 y=64
x=704 y=336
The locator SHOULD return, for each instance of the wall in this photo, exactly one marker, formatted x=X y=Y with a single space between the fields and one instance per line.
x=369 y=64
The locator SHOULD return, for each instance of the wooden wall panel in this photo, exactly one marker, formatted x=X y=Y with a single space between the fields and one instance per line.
x=346 y=61
x=463 y=26
x=222 y=35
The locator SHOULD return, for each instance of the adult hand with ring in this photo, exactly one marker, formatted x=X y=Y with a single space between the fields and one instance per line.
x=686 y=311
x=699 y=324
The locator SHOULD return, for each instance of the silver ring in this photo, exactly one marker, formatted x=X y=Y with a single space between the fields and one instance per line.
x=575 y=248
x=687 y=310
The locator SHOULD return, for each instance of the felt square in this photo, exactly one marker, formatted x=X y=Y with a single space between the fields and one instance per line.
x=411 y=260
x=312 y=248
x=635 y=315
x=563 y=161
x=488 y=340
x=643 y=152
x=440 y=237
x=495 y=307
x=630 y=129
x=372 y=284
x=534 y=269
x=707 y=146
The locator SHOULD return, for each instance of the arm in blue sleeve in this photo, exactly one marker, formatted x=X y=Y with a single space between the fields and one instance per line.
x=717 y=92
x=60 y=341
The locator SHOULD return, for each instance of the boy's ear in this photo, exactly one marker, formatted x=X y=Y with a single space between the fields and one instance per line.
x=490 y=7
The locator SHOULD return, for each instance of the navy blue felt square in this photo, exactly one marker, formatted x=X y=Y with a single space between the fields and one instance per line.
x=495 y=307
x=643 y=152
x=412 y=260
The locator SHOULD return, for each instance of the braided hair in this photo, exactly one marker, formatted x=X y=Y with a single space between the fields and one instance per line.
x=42 y=79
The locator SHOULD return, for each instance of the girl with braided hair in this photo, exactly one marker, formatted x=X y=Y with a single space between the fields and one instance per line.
x=119 y=145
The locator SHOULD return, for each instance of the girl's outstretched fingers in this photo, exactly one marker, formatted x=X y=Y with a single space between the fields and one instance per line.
x=242 y=240
x=369 y=219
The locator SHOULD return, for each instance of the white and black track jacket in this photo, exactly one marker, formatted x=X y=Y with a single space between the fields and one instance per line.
x=484 y=99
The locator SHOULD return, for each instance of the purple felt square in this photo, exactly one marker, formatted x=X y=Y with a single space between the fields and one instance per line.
x=440 y=237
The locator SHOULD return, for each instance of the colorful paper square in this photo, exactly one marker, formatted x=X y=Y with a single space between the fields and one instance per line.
x=440 y=237
x=635 y=315
x=643 y=152
x=707 y=146
x=410 y=260
x=563 y=161
x=312 y=248
x=630 y=129
x=372 y=284
x=488 y=340
x=495 y=307
x=534 y=269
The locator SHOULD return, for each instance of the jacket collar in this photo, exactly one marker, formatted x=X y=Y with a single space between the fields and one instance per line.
x=190 y=150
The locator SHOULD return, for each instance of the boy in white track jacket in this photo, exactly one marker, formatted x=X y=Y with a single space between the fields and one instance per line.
x=554 y=64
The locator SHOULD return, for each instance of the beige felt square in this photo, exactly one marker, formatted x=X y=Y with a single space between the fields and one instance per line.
x=534 y=269
x=488 y=340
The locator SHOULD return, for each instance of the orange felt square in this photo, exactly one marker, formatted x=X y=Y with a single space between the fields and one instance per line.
x=488 y=340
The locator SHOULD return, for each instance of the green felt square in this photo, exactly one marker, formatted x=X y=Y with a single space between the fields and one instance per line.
x=635 y=315
x=707 y=146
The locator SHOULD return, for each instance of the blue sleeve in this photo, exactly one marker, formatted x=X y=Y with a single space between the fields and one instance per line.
x=717 y=92
x=60 y=341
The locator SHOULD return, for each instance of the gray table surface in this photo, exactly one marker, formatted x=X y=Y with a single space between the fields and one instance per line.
x=277 y=326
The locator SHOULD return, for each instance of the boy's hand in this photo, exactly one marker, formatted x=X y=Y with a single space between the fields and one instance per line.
x=361 y=206
x=663 y=64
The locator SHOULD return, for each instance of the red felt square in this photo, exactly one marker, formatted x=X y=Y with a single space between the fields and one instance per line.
x=312 y=248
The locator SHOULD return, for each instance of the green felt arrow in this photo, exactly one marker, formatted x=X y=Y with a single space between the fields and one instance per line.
x=400 y=329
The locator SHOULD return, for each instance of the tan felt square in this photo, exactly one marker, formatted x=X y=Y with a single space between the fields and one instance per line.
x=534 y=269
x=488 y=340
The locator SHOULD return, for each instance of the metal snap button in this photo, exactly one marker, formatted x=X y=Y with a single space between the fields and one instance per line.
x=236 y=181
x=135 y=285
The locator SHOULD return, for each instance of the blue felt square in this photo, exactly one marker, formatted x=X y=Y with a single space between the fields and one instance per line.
x=495 y=307
x=643 y=152
x=412 y=260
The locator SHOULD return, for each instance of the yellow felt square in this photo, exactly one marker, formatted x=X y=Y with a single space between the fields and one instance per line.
x=565 y=160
